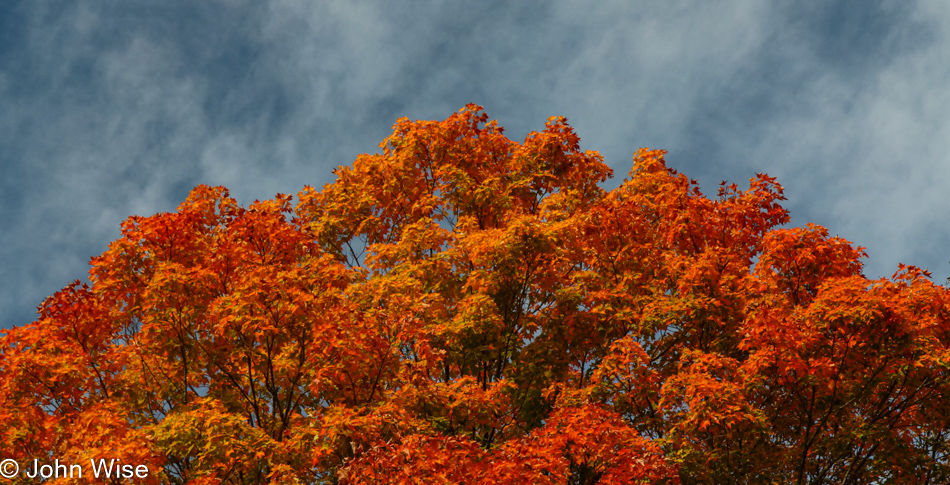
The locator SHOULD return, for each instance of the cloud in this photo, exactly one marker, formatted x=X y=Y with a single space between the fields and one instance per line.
x=857 y=135
x=95 y=129
x=119 y=109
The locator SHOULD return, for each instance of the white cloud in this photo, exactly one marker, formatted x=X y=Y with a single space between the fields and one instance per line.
x=112 y=111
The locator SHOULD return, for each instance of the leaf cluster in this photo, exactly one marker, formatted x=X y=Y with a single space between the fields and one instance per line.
x=464 y=308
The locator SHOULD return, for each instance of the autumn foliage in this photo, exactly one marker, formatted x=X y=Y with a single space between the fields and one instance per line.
x=463 y=308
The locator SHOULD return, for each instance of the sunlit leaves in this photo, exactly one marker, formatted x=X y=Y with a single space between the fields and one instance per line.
x=465 y=308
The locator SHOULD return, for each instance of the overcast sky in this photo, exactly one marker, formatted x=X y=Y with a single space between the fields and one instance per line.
x=109 y=109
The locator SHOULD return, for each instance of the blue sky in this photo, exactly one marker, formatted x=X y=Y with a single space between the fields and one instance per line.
x=109 y=109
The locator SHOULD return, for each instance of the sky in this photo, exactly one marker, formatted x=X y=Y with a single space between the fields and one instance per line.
x=117 y=108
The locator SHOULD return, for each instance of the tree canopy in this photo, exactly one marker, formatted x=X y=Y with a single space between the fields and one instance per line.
x=464 y=308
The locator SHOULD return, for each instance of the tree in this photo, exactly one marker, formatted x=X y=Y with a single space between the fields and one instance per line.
x=463 y=308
